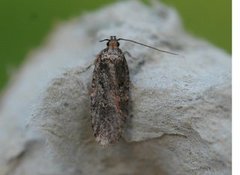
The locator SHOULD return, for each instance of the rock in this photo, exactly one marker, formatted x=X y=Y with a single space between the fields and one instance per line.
x=180 y=119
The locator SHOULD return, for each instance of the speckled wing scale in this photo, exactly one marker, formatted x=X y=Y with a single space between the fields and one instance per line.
x=109 y=93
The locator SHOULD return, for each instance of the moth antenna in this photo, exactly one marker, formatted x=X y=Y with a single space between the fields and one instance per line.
x=148 y=46
x=104 y=40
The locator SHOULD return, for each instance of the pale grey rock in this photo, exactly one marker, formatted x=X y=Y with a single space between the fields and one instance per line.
x=180 y=120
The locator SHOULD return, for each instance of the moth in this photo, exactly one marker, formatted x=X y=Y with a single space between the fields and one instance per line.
x=110 y=92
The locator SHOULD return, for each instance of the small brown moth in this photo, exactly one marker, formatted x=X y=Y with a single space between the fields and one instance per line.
x=110 y=92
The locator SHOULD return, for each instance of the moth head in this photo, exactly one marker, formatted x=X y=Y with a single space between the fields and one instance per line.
x=112 y=42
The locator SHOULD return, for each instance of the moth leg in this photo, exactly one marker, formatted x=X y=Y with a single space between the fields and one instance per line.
x=129 y=55
x=137 y=61
x=88 y=67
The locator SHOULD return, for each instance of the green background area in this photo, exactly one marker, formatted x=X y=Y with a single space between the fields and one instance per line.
x=25 y=24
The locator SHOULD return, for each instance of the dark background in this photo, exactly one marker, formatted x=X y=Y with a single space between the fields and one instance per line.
x=26 y=23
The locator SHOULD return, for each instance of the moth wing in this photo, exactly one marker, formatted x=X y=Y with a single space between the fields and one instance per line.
x=109 y=99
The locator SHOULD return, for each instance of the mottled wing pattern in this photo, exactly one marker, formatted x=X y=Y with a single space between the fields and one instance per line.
x=109 y=95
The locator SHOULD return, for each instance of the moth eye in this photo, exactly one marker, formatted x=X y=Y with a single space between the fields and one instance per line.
x=118 y=44
x=108 y=43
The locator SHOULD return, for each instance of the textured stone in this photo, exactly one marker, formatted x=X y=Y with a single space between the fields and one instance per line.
x=180 y=119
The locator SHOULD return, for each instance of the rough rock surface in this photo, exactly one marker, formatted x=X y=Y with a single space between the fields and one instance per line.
x=180 y=121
